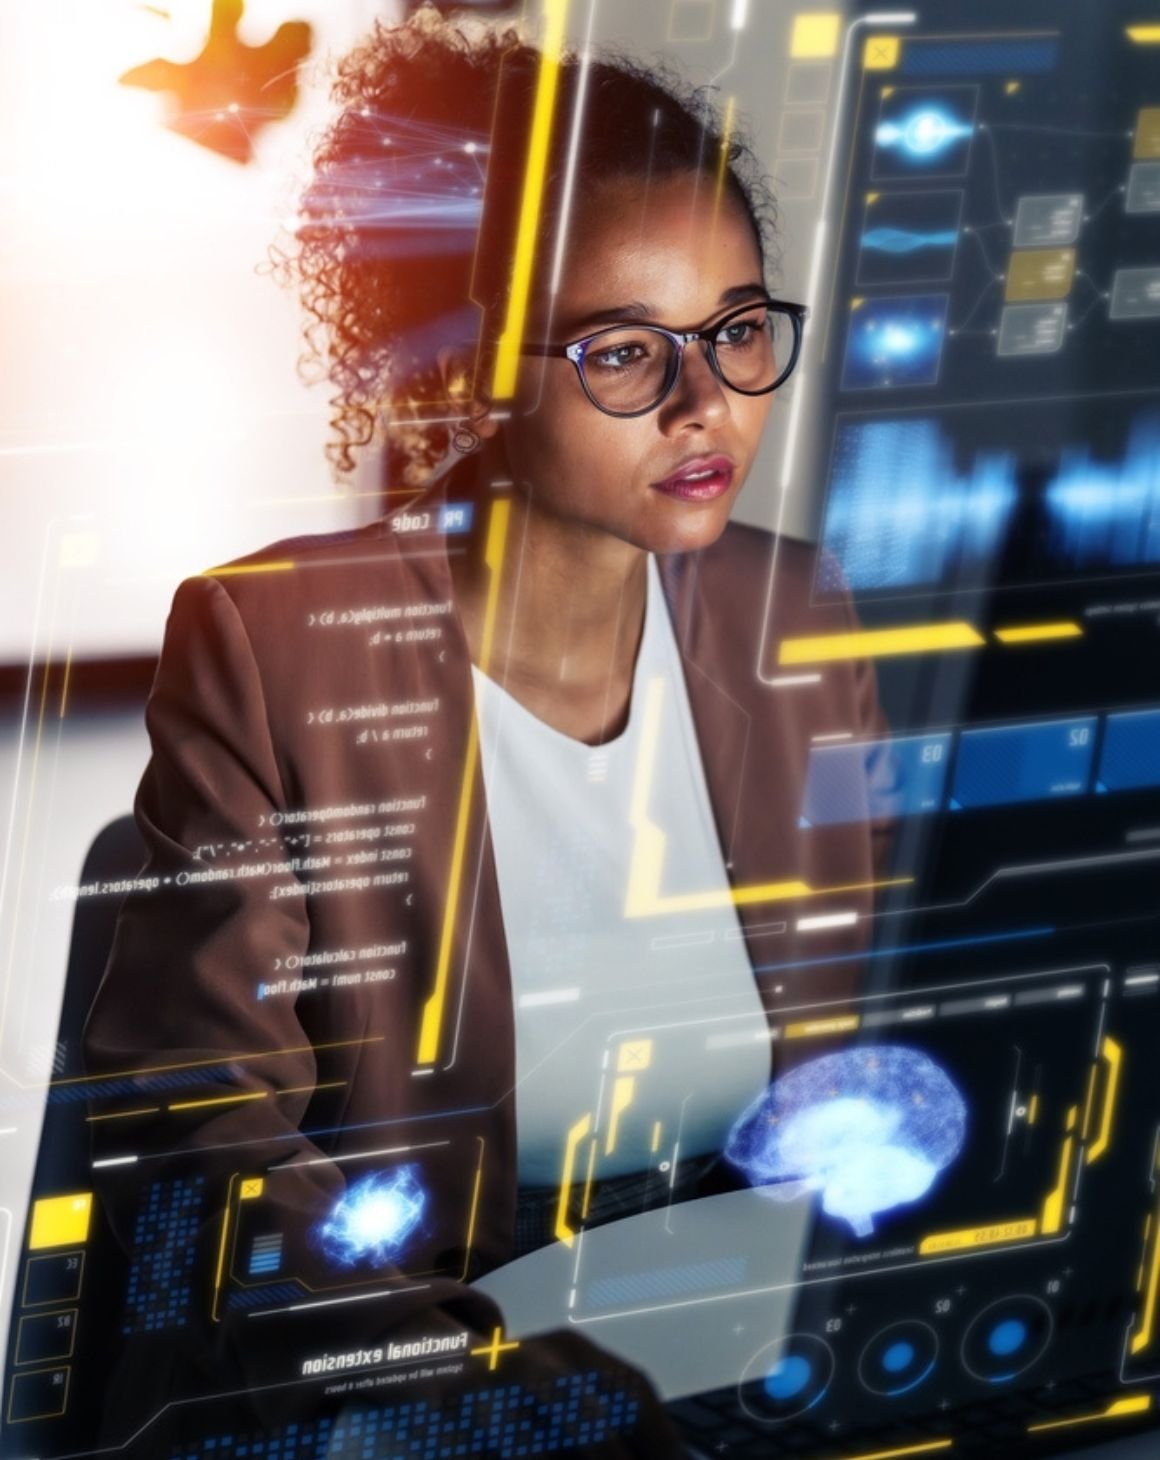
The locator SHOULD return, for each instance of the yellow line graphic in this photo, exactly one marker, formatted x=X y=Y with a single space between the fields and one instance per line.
x=1118 y=1409
x=880 y=643
x=432 y=1024
x=622 y=1093
x=217 y=1059
x=221 y=1256
x=474 y=1211
x=723 y=160
x=243 y=569
x=812 y=1028
x=1144 y=35
x=1053 y=1206
x=1114 y=1055
x=1143 y=1335
x=1032 y=633
x=217 y=1100
x=507 y=354
x=564 y=1232
x=927 y=1448
x=643 y=895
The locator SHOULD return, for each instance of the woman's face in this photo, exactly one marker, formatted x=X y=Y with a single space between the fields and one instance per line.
x=601 y=472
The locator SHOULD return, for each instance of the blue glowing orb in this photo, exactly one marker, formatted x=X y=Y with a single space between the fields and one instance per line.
x=870 y=1129
x=897 y=1357
x=374 y=1219
x=788 y=1377
x=895 y=342
x=927 y=132
x=1007 y=1338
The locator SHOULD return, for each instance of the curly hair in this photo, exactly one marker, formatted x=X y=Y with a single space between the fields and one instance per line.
x=409 y=219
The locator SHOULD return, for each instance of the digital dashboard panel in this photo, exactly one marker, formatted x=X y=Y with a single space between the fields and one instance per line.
x=938 y=1228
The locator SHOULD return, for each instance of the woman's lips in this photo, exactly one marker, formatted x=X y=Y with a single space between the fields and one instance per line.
x=699 y=481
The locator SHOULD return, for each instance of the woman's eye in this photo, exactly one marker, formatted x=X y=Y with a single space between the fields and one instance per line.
x=618 y=356
x=740 y=333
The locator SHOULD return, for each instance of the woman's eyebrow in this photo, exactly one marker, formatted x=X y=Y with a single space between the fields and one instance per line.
x=637 y=310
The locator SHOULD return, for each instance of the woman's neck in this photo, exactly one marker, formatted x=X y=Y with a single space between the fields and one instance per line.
x=568 y=621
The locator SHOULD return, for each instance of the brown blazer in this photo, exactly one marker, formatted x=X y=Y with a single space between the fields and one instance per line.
x=280 y=691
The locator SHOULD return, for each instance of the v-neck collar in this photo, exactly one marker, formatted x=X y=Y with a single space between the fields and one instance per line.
x=645 y=649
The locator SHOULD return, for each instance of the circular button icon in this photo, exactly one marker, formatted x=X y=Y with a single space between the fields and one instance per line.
x=899 y=1358
x=786 y=1377
x=1007 y=1337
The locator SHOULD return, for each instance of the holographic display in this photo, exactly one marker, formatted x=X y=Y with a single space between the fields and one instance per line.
x=869 y=1128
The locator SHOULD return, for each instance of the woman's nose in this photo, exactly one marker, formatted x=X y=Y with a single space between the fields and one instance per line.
x=699 y=395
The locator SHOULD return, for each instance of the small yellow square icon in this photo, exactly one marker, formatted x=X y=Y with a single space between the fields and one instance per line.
x=814 y=37
x=881 y=52
x=60 y=1221
x=1147 y=132
x=1040 y=273
x=634 y=1054
x=252 y=1187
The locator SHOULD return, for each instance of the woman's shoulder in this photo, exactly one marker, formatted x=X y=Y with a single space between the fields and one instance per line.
x=388 y=557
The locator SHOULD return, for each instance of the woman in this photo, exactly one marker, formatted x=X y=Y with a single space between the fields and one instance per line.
x=437 y=816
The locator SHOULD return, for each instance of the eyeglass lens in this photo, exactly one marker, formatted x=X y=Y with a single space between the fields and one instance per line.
x=631 y=368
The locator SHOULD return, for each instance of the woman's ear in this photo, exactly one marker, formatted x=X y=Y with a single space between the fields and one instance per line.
x=455 y=372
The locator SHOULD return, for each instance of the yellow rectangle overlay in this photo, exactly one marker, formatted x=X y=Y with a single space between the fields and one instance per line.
x=880 y=643
x=1031 y=633
x=815 y=37
x=881 y=52
x=60 y=1221
x=1147 y=143
x=992 y=1236
x=811 y=1028
x=1040 y=273
x=1144 y=35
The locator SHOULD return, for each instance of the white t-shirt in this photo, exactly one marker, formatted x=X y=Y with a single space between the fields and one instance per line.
x=588 y=980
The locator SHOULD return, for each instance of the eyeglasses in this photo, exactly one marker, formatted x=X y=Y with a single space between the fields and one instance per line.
x=629 y=370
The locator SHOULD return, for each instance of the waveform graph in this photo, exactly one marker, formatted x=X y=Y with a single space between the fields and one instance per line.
x=990 y=499
x=901 y=513
x=895 y=342
x=909 y=237
x=924 y=132
x=1106 y=514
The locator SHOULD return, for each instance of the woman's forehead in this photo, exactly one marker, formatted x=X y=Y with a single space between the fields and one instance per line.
x=670 y=251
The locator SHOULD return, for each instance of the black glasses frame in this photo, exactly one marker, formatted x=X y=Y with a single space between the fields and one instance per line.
x=576 y=350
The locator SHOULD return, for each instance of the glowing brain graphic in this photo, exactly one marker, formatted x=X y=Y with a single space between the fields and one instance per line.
x=869 y=1128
